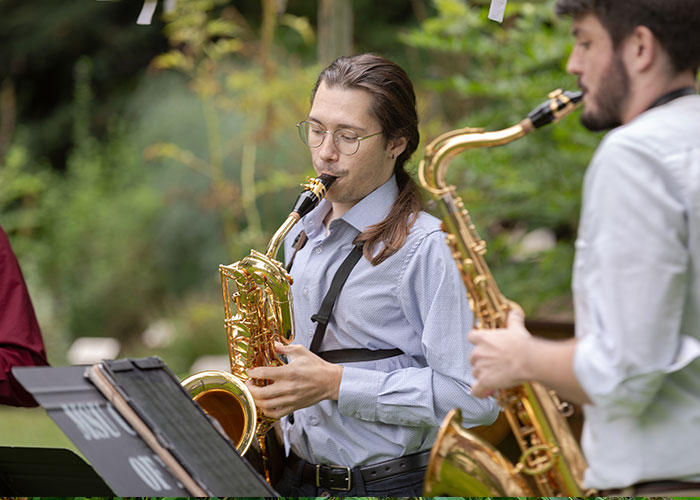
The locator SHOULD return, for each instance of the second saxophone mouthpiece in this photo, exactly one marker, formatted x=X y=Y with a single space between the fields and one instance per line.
x=560 y=104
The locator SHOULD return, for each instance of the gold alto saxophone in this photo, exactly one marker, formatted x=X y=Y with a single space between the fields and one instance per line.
x=462 y=463
x=258 y=313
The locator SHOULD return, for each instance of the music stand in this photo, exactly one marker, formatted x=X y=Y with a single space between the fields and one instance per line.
x=145 y=437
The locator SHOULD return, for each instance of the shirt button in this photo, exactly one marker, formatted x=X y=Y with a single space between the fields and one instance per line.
x=306 y=290
x=314 y=420
x=319 y=249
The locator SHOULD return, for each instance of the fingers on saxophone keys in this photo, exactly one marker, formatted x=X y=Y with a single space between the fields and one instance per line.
x=263 y=373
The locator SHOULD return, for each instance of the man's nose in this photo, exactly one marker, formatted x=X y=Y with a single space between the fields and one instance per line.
x=327 y=150
x=574 y=64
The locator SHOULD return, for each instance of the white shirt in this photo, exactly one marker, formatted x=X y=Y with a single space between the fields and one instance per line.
x=637 y=299
x=415 y=300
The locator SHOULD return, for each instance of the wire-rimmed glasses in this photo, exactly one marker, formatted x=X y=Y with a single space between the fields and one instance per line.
x=345 y=140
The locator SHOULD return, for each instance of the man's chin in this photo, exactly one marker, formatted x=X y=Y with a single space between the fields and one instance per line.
x=596 y=123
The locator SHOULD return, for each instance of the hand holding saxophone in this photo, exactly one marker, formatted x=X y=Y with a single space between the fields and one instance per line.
x=304 y=381
x=492 y=346
x=528 y=358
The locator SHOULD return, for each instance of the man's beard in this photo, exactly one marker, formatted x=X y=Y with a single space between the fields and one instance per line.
x=610 y=100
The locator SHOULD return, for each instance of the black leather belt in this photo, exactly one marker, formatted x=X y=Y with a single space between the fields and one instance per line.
x=651 y=487
x=336 y=477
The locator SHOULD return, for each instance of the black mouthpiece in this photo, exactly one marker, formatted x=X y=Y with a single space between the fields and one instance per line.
x=315 y=191
x=559 y=104
x=327 y=180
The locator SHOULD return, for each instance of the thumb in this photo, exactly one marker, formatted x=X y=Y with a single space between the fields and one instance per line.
x=474 y=336
x=516 y=313
x=480 y=391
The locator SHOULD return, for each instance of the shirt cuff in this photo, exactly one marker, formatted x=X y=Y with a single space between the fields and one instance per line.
x=358 y=393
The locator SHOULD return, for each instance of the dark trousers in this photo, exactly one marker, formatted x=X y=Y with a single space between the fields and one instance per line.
x=409 y=484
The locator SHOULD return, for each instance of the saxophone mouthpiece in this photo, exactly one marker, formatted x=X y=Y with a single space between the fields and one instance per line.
x=560 y=104
x=311 y=196
x=327 y=180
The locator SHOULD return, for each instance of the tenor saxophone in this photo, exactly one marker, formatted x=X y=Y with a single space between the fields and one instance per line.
x=257 y=313
x=551 y=463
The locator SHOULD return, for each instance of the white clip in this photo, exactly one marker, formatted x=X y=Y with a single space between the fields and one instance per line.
x=146 y=15
x=497 y=10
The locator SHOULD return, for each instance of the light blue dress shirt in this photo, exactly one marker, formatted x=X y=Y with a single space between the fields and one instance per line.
x=637 y=296
x=415 y=300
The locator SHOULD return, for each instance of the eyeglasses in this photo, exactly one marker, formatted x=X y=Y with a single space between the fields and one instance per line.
x=346 y=141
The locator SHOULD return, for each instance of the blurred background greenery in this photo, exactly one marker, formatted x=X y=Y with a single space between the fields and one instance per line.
x=136 y=158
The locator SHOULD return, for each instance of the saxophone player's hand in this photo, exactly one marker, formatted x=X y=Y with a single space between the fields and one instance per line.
x=304 y=381
x=498 y=353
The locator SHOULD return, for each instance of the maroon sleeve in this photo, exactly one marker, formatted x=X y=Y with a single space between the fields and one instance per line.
x=20 y=337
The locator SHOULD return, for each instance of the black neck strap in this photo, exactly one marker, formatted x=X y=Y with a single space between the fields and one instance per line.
x=673 y=95
x=298 y=244
x=323 y=317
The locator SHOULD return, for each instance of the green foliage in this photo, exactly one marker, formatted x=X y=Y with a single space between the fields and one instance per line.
x=202 y=162
x=188 y=177
x=89 y=251
x=484 y=74
x=262 y=96
x=21 y=186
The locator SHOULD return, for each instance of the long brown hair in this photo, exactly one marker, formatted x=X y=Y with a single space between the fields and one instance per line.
x=394 y=106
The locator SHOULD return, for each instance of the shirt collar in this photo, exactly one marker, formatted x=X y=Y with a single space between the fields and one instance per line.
x=370 y=210
x=374 y=207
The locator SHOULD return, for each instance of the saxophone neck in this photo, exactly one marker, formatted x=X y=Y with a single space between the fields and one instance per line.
x=438 y=154
x=276 y=241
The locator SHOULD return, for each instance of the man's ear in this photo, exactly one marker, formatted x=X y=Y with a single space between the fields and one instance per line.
x=397 y=146
x=642 y=49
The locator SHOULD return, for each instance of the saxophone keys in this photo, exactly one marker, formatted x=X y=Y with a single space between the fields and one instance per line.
x=479 y=279
x=538 y=459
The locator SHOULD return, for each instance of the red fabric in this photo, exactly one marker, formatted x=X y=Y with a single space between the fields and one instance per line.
x=20 y=337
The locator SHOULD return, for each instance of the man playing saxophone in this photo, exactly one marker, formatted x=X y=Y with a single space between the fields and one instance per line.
x=635 y=361
x=381 y=313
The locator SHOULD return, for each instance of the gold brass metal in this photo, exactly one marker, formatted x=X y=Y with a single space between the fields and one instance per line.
x=257 y=313
x=462 y=463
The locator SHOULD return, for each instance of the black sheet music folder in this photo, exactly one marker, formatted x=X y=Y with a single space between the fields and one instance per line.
x=141 y=430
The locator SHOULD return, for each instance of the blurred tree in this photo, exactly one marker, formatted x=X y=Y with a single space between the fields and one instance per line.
x=335 y=27
x=40 y=42
x=233 y=70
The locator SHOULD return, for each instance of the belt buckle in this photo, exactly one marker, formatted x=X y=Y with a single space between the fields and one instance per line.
x=348 y=474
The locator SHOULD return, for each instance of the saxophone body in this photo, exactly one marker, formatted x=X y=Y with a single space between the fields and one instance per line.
x=257 y=313
x=462 y=463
